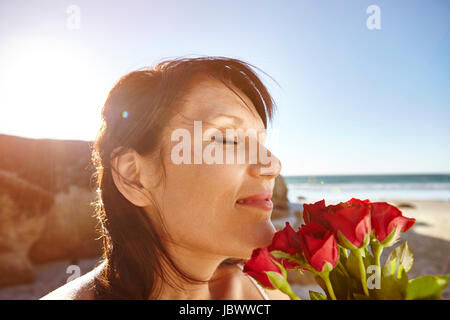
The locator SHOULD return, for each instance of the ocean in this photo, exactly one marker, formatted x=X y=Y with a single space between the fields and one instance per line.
x=372 y=187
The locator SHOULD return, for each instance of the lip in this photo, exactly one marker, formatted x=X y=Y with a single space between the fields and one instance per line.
x=261 y=200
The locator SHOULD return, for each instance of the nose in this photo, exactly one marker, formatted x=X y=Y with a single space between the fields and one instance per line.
x=267 y=166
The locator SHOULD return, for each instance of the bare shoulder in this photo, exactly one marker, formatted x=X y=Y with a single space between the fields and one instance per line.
x=81 y=288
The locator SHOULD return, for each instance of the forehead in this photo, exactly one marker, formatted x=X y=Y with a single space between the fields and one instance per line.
x=211 y=101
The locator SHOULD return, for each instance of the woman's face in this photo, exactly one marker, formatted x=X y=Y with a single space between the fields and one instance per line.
x=198 y=202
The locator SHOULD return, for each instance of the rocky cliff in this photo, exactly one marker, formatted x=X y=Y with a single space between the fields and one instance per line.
x=45 y=212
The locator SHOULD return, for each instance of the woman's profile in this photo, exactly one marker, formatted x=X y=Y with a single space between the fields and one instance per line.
x=174 y=224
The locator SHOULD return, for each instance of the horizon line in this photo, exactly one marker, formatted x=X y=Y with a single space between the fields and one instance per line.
x=365 y=174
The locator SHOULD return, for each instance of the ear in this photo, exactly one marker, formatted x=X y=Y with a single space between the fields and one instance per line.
x=127 y=166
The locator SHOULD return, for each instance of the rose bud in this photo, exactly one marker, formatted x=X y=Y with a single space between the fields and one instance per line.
x=319 y=246
x=315 y=213
x=286 y=240
x=388 y=222
x=260 y=262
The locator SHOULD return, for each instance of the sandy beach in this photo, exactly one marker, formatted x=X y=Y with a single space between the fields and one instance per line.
x=429 y=240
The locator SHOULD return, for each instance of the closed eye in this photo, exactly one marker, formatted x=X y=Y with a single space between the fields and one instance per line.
x=219 y=140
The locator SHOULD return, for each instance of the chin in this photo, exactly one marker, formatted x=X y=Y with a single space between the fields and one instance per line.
x=260 y=237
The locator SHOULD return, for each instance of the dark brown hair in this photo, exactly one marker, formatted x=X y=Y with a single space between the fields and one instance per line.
x=136 y=111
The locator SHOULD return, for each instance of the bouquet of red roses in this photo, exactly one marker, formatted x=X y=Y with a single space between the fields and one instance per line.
x=341 y=246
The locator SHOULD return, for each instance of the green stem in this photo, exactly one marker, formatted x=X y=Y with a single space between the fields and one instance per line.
x=287 y=290
x=362 y=270
x=378 y=249
x=326 y=278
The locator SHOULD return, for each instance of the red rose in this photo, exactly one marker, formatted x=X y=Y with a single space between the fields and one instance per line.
x=260 y=262
x=319 y=245
x=351 y=222
x=315 y=213
x=385 y=218
x=286 y=240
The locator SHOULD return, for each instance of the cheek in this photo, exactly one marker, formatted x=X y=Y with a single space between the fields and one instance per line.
x=200 y=197
x=199 y=210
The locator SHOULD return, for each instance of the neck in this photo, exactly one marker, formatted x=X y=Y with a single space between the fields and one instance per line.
x=196 y=265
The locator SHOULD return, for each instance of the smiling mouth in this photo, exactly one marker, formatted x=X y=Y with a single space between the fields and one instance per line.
x=261 y=201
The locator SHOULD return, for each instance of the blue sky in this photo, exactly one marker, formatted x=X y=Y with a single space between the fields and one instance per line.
x=352 y=100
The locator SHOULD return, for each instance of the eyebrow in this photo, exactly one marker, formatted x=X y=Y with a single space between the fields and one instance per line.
x=237 y=120
x=223 y=115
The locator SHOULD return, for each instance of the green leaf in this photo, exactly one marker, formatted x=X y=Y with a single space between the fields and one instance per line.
x=400 y=258
x=341 y=283
x=389 y=267
x=366 y=240
x=317 y=296
x=343 y=255
x=353 y=283
x=352 y=265
x=392 y=287
x=343 y=241
x=276 y=279
x=320 y=282
x=366 y=253
x=280 y=282
x=427 y=287
x=283 y=270
x=390 y=239
x=341 y=269
x=297 y=258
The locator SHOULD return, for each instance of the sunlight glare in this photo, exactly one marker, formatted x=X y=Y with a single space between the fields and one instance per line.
x=49 y=90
